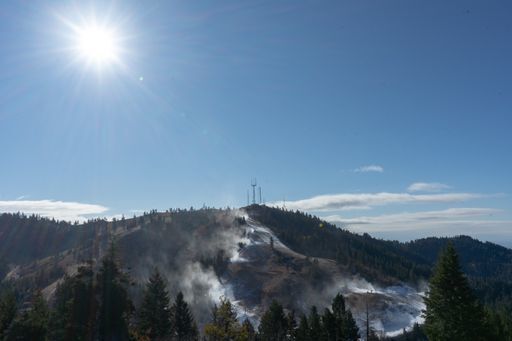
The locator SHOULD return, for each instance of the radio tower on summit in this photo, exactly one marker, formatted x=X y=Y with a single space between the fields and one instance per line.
x=253 y=184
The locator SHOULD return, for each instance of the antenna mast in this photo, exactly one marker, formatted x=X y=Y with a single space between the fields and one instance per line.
x=253 y=184
x=259 y=189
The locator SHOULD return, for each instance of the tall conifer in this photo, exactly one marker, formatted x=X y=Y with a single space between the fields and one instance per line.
x=154 y=312
x=452 y=311
x=183 y=324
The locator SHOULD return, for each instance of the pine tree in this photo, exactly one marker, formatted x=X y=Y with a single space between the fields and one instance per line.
x=338 y=306
x=329 y=324
x=247 y=332
x=182 y=321
x=273 y=325
x=452 y=311
x=499 y=324
x=115 y=305
x=341 y=326
x=291 y=325
x=223 y=325
x=7 y=311
x=315 y=326
x=350 y=330
x=32 y=324
x=302 y=333
x=75 y=308
x=154 y=313
x=338 y=311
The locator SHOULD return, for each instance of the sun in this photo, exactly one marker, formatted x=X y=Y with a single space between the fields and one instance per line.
x=98 y=45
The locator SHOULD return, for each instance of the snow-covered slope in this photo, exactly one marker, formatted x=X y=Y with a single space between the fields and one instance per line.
x=391 y=308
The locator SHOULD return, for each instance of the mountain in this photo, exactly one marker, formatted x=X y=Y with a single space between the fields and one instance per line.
x=251 y=255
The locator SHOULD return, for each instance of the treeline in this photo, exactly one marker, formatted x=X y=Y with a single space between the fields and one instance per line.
x=336 y=323
x=95 y=305
x=25 y=238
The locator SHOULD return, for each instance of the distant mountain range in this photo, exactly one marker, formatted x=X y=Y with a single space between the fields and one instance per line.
x=252 y=255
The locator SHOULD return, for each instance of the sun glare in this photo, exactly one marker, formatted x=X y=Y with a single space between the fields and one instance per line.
x=97 y=45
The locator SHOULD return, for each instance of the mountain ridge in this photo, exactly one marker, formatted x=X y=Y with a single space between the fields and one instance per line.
x=252 y=255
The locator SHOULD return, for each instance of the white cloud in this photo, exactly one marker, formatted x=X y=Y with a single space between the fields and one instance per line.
x=410 y=219
x=351 y=201
x=427 y=187
x=60 y=210
x=369 y=168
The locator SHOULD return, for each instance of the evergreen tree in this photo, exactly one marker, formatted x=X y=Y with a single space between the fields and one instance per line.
x=329 y=326
x=247 y=332
x=154 y=312
x=350 y=331
x=7 y=311
x=75 y=308
x=273 y=325
x=115 y=306
x=338 y=306
x=315 y=326
x=223 y=325
x=33 y=323
x=338 y=311
x=183 y=324
x=291 y=325
x=339 y=324
x=499 y=324
x=452 y=312
x=302 y=333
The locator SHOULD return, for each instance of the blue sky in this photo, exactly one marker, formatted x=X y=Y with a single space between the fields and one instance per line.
x=352 y=101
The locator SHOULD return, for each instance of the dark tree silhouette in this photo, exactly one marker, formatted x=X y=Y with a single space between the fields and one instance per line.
x=183 y=324
x=115 y=305
x=452 y=311
x=273 y=325
x=154 y=312
x=75 y=307
x=33 y=323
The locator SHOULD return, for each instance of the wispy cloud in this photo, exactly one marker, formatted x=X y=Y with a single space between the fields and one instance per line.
x=476 y=222
x=398 y=220
x=60 y=210
x=427 y=187
x=480 y=223
x=351 y=201
x=369 y=168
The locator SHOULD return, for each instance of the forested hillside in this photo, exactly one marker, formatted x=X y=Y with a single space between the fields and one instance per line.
x=38 y=251
x=26 y=238
x=487 y=265
x=374 y=258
